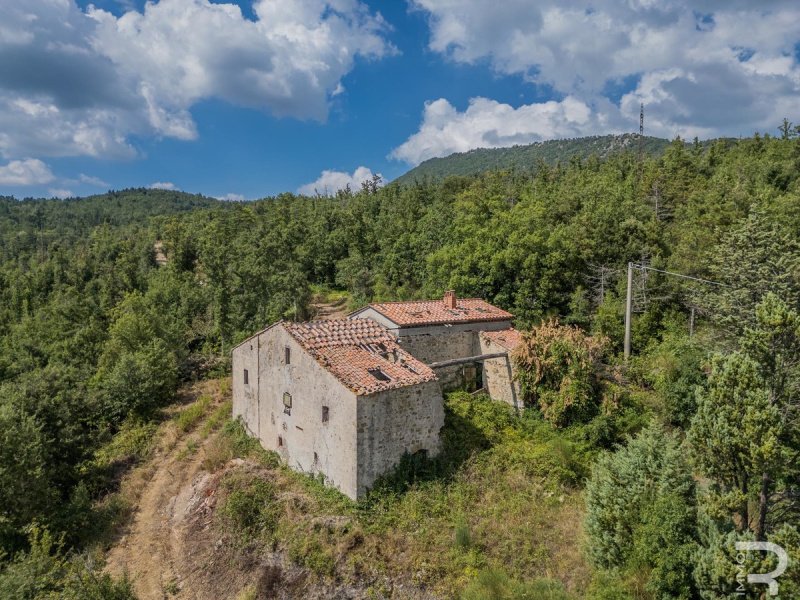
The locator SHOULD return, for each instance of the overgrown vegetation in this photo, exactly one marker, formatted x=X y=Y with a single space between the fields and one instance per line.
x=501 y=503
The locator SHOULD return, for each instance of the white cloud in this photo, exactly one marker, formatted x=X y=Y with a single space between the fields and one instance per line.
x=30 y=171
x=80 y=83
x=232 y=198
x=701 y=68
x=329 y=182
x=94 y=181
x=162 y=185
x=60 y=193
x=489 y=124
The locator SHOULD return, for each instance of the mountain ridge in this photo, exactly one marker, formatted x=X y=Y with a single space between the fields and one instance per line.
x=527 y=157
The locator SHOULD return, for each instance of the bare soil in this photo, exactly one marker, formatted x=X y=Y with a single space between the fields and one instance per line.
x=329 y=310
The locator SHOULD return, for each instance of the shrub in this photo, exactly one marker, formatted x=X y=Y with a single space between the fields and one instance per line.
x=559 y=371
x=641 y=512
x=251 y=509
x=46 y=573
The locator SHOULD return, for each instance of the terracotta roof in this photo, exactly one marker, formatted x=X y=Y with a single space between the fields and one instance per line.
x=507 y=338
x=360 y=353
x=435 y=312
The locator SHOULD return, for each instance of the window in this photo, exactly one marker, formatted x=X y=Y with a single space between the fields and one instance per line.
x=287 y=403
x=287 y=353
x=246 y=377
x=316 y=458
x=280 y=442
x=325 y=414
x=379 y=375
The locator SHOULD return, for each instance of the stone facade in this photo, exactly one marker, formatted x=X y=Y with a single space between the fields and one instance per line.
x=499 y=379
x=396 y=422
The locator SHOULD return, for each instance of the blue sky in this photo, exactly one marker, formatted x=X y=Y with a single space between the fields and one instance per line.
x=285 y=95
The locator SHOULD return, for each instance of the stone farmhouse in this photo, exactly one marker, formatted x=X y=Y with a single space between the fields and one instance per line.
x=347 y=398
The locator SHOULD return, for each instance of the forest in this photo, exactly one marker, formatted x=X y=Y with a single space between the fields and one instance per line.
x=688 y=447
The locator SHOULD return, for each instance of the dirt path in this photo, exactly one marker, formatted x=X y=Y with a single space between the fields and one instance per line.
x=329 y=310
x=155 y=537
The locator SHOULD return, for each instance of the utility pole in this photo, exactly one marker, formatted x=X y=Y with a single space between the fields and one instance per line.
x=628 y=310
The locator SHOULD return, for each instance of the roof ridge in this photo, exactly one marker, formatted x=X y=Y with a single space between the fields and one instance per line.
x=429 y=300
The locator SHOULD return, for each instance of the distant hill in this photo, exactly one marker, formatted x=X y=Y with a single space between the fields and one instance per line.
x=113 y=208
x=525 y=158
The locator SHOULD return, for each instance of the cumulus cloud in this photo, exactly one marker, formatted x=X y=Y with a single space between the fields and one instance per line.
x=489 y=124
x=30 y=171
x=329 y=182
x=60 y=193
x=75 y=82
x=701 y=68
x=232 y=198
x=162 y=185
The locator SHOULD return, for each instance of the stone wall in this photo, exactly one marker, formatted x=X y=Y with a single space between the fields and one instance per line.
x=245 y=395
x=395 y=422
x=498 y=375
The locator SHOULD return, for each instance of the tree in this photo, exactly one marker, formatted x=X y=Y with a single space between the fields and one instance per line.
x=25 y=488
x=744 y=435
x=641 y=512
x=755 y=258
x=139 y=381
x=734 y=436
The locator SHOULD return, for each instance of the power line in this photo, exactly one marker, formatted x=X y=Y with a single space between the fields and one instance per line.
x=629 y=297
x=701 y=280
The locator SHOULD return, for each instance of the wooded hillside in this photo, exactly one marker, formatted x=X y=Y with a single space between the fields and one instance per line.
x=95 y=337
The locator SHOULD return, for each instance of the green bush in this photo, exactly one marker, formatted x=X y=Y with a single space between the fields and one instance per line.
x=641 y=512
x=46 y=573
x=251 y=508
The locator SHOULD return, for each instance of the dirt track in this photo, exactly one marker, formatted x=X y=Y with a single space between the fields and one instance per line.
x=155 y=539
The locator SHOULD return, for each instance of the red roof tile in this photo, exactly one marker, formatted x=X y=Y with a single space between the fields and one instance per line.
x=507 y=338
x=361 y=354
x=435 y=312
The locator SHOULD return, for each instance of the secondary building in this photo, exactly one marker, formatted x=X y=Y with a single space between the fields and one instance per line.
x=442 y=333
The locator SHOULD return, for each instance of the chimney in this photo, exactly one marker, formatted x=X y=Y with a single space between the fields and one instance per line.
x=450 y=299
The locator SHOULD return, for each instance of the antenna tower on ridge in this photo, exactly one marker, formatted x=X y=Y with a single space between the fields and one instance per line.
x=641 y=130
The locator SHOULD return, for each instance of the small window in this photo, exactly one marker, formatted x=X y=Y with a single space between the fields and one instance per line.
x=287 y=352
x=287 y=403
x=316 y=458
x=280 y=441
x=379 y=375
x=246 y=377
x=325 y=414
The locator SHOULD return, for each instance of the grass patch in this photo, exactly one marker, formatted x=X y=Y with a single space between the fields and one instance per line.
x=189 y=417
x=496 y=585
x=132 y=443
x=216 y=419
